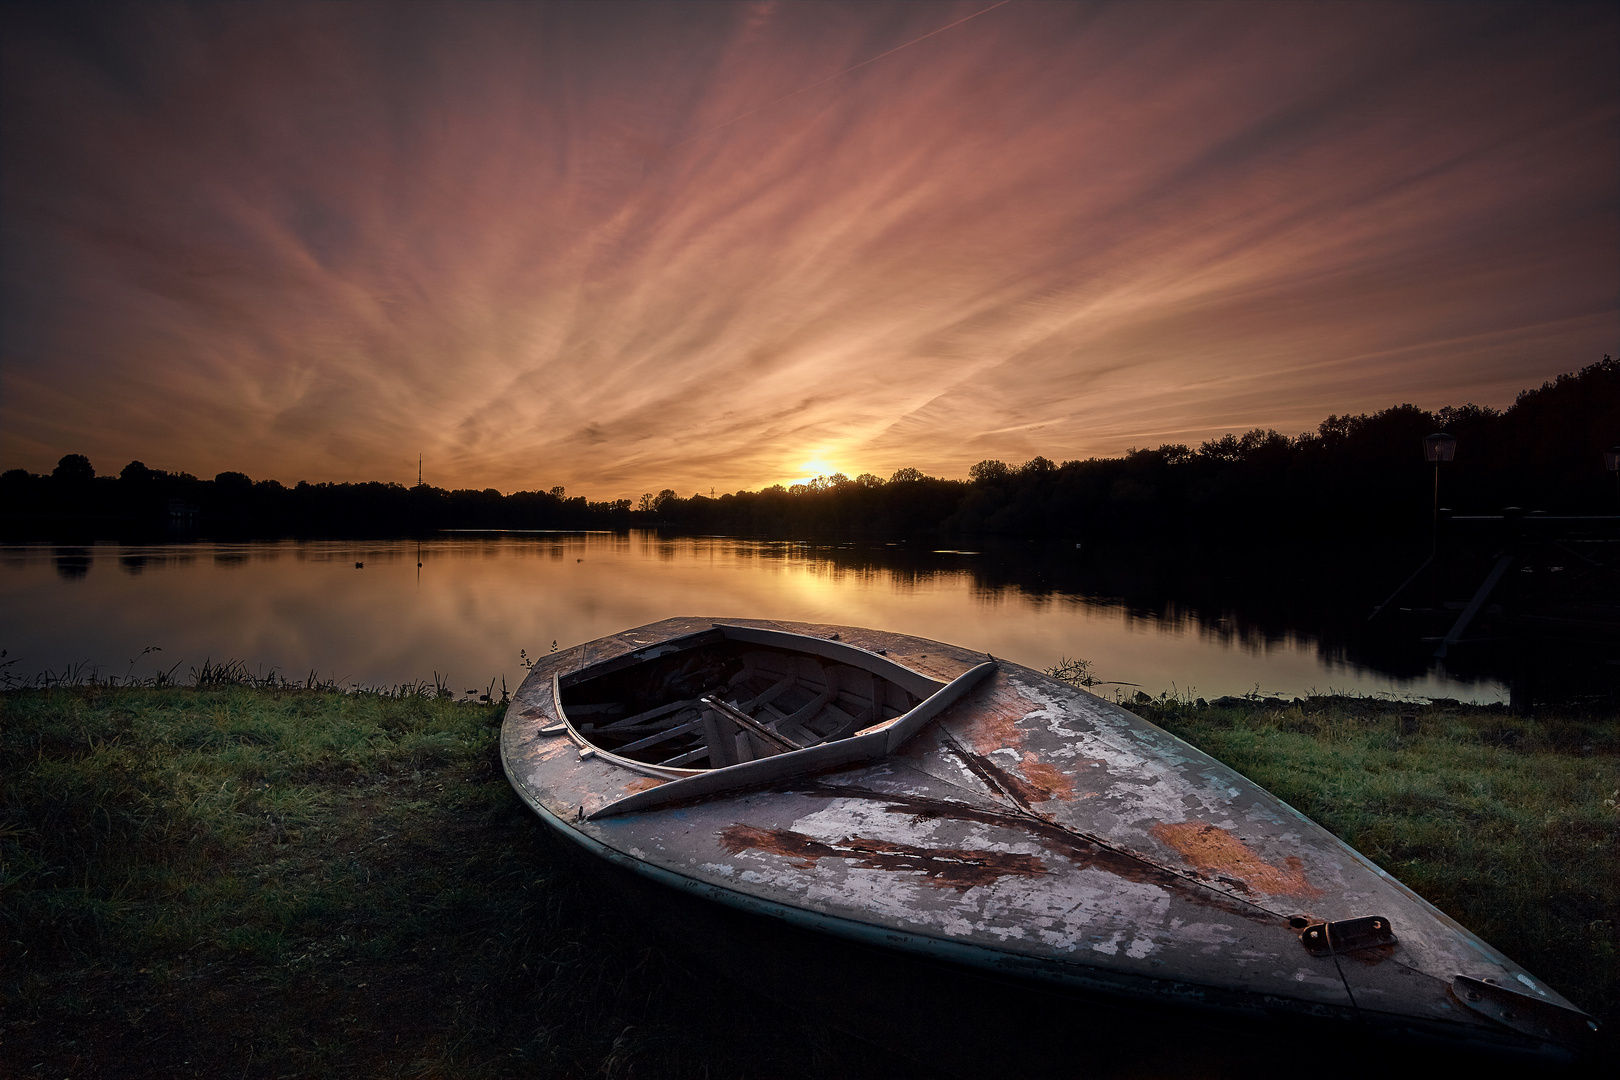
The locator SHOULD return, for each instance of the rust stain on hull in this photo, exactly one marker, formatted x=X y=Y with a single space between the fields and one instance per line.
x=1009 y=783
x=1216 y=850
x=1081 y=850
x=646 y=783
x=957 y=868
x=1048 y=778
x=1040 y=781
x=994 y=724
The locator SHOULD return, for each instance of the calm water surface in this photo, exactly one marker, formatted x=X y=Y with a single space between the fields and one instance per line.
x=462 y=608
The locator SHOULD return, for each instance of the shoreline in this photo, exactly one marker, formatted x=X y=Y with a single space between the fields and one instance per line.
x=274 y=880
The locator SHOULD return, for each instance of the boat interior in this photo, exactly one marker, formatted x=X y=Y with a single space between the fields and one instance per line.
x=724 y=702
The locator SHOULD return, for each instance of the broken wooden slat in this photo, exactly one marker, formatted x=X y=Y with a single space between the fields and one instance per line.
x=662 y=736
x=650 y=714
x=687 y=758
x=743 y=720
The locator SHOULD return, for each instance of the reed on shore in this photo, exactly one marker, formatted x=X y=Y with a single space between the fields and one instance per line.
x=269 y=880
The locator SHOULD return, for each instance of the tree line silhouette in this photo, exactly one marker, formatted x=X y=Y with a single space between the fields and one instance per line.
x=1354 y=477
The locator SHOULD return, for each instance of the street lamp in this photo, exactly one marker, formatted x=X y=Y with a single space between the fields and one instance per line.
x=1437 y=448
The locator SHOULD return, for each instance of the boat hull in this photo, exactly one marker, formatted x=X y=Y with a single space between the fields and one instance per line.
x=1032 y=832
x=956 y=1020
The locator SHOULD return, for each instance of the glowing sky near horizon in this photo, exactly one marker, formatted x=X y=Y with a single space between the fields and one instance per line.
x=622 y=247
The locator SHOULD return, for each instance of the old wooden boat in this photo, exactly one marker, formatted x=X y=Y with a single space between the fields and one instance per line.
x=920 y=797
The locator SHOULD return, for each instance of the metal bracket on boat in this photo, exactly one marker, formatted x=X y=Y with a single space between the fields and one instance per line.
x=1524 y=1012
x=1327 y=938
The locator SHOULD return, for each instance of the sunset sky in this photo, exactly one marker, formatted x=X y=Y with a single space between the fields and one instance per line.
x=624 y=247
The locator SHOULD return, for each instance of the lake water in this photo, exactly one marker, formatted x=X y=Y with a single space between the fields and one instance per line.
x=461 y=608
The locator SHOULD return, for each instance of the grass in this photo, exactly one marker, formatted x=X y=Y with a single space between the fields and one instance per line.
x=266 y=880
x=273 y=881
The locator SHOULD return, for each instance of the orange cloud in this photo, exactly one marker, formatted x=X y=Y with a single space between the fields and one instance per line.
x=536 y=244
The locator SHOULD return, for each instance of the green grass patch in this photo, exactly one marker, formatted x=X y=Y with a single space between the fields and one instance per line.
x=267 y=881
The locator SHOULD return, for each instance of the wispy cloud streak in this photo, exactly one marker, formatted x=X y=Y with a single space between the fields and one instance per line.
x=619 y=247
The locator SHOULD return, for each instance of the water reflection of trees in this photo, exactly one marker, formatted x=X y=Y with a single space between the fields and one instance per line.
x=1251 y=600
x=72 y=563
x=1243 y=598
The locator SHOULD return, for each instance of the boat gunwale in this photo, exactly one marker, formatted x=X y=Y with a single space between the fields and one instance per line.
x=914 y=682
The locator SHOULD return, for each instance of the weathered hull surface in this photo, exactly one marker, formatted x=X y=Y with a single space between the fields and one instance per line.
x=1034 y=831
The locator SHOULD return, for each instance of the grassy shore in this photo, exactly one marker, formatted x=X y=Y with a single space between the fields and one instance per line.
x=255 y=881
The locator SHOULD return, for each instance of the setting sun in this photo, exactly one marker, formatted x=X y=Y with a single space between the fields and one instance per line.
x=815 y=467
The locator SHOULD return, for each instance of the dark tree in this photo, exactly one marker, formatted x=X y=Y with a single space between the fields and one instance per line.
x=73 y=469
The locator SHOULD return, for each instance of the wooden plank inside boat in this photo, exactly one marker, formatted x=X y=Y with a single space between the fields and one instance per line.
x=723 y=702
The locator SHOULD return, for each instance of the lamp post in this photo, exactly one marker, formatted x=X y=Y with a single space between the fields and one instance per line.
x=1437 y=448
x=1611 y=461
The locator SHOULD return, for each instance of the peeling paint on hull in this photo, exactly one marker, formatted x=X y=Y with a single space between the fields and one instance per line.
x=1035 y=831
